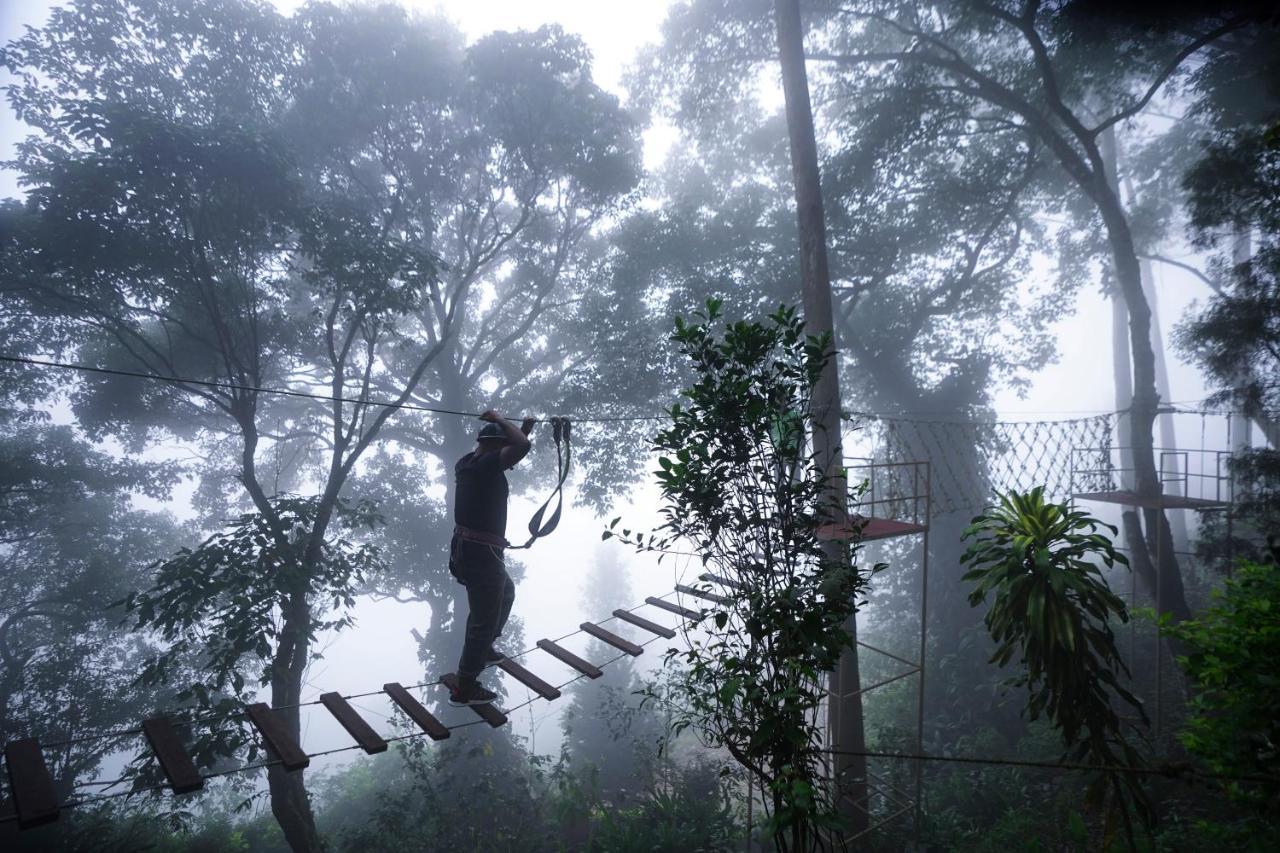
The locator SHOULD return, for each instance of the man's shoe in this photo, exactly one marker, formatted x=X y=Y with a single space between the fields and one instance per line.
x=470 y=693
x=493 y=656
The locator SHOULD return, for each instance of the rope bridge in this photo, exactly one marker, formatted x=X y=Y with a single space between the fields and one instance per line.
x=31 y=783
x=970 y=458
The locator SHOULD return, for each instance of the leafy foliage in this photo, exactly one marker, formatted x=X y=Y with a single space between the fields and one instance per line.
x=222 y=602
x=739 y=488
x=1052 y=607
x=1234 y=665
x=71 y=542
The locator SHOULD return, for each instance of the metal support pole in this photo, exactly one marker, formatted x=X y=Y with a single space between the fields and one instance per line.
x=1159 y=644
x=924 y=634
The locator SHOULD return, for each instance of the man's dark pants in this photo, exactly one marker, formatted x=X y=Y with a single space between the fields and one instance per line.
x=481 y=569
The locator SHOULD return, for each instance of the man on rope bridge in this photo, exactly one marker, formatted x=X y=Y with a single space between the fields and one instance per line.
x=476 y=556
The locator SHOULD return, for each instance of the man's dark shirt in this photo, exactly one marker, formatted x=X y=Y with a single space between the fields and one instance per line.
x=480 y=500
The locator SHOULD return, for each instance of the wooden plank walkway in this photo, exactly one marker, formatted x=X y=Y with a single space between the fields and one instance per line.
x=34 y=798
x=612 y=639
x=641 y=622
x=369 y=740
x=175 y=763
x=662 y=604
x=708 y=596
x=528 y=679
x=278 y=740
x=435 y=729
x=486 y=712
x=729 y=582
x=559 y=652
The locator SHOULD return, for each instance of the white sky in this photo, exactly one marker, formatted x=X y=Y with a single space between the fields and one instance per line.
x=378 y=649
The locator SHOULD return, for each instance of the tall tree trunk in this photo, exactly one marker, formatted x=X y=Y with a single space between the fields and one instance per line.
x=1174 y=465
x=1169 y=592
x=1168 y=434
x=1122 y=379
x=845 y=713
x=1240 y=427
x=458 y=439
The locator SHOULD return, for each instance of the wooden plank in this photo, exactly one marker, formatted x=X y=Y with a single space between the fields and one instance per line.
x=641 y=622
x=709 y=596
x=673 y=608
x=612 y=639
x=588 y=669
x=34 y=798
x=435 y=729
x=729 y=582
x=487 y=712
x=369 y=740
x=175 y=763
x=528 y=679
x=278 y=740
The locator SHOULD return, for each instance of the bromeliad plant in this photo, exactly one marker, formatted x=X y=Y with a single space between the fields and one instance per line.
x=1052 y=607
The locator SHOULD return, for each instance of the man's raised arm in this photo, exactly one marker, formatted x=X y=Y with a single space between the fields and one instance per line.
x=518 y=445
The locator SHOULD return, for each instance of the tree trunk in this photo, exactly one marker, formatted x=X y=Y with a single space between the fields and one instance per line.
x=1239 y=424
x=1168 y=435
x=1170 y=596
x=845 y=714
x=1175 y=465
x=290 y=803
x=458 y=439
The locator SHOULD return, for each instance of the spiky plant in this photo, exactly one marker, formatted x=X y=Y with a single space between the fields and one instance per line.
x=1050 y=604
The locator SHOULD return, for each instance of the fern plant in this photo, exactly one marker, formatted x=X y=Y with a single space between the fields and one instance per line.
x=1038 y=561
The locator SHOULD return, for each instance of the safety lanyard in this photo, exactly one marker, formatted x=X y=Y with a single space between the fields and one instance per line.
x=537 y=529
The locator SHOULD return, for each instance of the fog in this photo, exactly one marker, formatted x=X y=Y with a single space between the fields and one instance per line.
x=428 y=210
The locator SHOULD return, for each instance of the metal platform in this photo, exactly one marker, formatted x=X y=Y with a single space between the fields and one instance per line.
x=870 y=529
x=1161 y=501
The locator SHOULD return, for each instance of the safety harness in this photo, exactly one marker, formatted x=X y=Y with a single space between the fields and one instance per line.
x=560 y=430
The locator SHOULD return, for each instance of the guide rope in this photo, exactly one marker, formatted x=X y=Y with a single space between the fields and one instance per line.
x=286 y=392
x=1173 y=770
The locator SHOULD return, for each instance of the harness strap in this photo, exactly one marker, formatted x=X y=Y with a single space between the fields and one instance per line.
x=560 y=430
x=472 y=535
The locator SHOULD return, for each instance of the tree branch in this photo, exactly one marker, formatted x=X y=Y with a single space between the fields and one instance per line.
x=1232 y=24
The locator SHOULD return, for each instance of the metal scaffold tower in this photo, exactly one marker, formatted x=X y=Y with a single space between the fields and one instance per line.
x=1197 y=480
x=898 y=503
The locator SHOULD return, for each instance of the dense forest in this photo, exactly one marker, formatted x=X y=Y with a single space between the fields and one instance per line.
x=270 y=271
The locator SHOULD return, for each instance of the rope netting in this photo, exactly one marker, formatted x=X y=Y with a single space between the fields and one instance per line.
x=969 y=459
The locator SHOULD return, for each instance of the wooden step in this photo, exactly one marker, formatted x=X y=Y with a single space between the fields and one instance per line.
x=729 y=582
x=612 y=639
x=708 y=596
x=663 y=604
x=641 y=622
x=528 y=679
x=175 y=763
x=30 y=782
x=279 y=742
x=559 y=652
x=435 y=729
x=369 y=740
x=486 y=712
